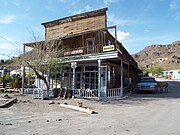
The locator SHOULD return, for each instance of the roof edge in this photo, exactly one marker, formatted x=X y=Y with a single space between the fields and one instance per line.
x=75 y=17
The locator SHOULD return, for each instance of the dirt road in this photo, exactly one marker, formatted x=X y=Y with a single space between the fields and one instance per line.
x=139 y=114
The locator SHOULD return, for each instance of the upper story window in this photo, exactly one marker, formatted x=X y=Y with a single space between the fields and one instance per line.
x=90 y=43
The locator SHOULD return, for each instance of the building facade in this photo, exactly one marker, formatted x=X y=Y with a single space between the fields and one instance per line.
x=99 y=65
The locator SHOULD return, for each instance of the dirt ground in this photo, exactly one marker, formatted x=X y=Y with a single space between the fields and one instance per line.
x=138 y=114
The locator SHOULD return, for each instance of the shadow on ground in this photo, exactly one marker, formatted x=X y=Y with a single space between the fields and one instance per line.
x=144 y=97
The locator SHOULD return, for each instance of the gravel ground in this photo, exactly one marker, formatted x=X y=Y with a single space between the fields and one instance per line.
x=139 y=114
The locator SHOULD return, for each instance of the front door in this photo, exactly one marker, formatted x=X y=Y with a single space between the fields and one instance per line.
x=90 y=45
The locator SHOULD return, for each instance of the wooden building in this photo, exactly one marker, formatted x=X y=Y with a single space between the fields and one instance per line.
x=99 y=65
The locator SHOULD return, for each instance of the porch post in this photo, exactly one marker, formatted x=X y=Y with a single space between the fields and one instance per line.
x=73 y=66
x=83 y=81
x=73 y=81
x=99 y=78
x=121 y=89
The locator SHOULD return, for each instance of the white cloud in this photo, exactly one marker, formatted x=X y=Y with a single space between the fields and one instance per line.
x=62 y=1
x=28 y=9
x=106 y=2
x=147 y=30
x=177 y=16
x=7 y=19
x=175 y=4
x=17 y=3
x=87 y=8
x=117 y=21
x=121 y=35
x=78 y=11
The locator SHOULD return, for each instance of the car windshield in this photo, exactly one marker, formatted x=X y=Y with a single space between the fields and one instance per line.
x=148 y=80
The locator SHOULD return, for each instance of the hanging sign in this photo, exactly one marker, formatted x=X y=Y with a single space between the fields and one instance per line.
x=73 y=64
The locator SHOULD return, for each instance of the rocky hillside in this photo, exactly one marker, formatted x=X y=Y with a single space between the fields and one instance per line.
x=167 y=56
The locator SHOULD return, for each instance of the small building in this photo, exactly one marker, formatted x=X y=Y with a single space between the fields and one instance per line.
x=172 y=74
x=98 y=62
x=175 y=74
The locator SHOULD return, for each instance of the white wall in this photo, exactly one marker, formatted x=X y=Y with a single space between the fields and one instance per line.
x=175 y=74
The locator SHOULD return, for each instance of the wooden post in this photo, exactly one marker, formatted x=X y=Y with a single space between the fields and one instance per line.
x=115 y=35
x=121 y=91
x=99 y=78
x=73 y=66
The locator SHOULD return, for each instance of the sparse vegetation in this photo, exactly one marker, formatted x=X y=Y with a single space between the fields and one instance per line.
x=155 y=70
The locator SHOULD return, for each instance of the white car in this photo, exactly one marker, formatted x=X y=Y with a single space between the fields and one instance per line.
x=147 y=84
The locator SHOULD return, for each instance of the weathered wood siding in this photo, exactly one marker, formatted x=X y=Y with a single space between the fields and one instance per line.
x=75 y=27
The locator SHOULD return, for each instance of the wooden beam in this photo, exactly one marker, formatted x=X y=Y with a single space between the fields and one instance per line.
x=77 y=108
x=13 y=100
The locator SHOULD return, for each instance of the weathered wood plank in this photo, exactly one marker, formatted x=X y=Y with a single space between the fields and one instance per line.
x=76 y=17
x=13 y=100
x=75 y=27
x=77 y=108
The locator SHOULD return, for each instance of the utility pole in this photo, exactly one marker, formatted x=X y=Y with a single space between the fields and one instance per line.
x=23 y=70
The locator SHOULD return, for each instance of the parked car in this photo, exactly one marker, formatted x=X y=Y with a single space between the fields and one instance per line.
x=147 y=84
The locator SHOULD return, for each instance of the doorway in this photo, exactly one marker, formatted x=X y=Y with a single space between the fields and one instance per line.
x=90 y=45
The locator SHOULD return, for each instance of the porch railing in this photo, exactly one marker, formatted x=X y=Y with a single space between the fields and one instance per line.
x=91 y=50
x=86 y=93
x=115 y=92
x=91 y=93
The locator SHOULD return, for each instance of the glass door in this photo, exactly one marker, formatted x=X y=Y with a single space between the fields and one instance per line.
x=91 y=77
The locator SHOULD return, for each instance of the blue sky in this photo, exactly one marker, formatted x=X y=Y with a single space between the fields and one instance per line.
x=140 y=22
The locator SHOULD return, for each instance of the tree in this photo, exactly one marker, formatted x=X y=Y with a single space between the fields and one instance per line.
x=156 y=70
x=45 y=57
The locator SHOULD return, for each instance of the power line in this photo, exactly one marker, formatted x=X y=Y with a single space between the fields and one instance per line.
x=10 y=42
x=6 y=55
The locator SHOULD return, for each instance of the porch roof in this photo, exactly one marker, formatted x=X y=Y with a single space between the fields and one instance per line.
x=92 y=57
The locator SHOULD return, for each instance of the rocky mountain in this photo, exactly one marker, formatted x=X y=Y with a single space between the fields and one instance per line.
x=167 y=56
